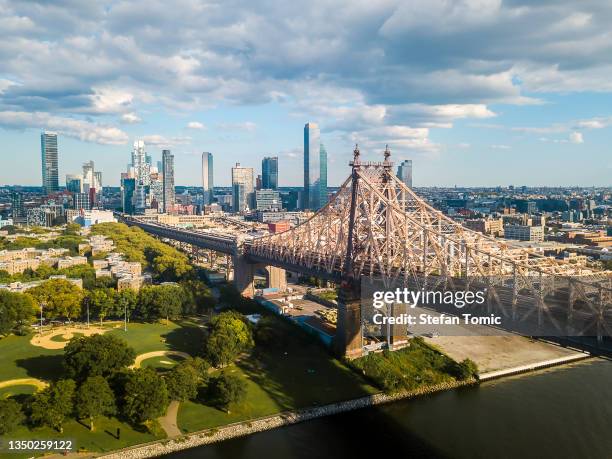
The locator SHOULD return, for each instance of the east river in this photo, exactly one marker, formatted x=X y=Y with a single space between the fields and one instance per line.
x=564 y=412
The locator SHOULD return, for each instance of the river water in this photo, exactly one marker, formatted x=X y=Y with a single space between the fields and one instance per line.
x=564 y=412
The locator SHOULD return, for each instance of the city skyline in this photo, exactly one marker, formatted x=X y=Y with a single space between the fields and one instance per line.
x=538 y=94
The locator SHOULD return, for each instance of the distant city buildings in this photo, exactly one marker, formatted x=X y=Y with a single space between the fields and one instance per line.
x=168 y=173
x=404 y=172
x=207 y=177
x=49 y=162
x=268 y=200
x=269 y=173
x=524 y=233
x=242 y=188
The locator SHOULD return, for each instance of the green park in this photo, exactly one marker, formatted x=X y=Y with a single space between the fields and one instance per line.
x=171 y=358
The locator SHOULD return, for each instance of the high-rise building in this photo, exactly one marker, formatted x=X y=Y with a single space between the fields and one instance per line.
x=242 y=188
x=74 y=183
x=49 y=160
x=207 y=177
x=323 y=183
x=269 y=173
x=128 y=188
x=141 y=170
x=81 y=201
x=268 y=200
x=17 y=209
x=312 y=167
x=404 y=172
x=168 y=171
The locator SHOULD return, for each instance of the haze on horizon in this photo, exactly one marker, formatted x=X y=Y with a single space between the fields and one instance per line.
x=475 y=92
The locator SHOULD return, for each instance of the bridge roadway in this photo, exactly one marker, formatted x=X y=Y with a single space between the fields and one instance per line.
x=246 y=265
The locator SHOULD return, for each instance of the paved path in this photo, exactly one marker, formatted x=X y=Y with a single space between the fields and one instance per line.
x=24 y=382
x=149 y=355
x=169 y=421
x=66 y=333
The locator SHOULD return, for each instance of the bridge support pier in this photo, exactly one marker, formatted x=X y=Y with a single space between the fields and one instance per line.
x=349 y=335
x=244 y=276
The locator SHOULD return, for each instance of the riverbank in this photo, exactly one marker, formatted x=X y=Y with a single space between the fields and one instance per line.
x=236 y=430
x=215 y=435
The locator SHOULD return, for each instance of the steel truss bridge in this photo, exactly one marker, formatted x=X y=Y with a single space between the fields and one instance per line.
x=377 y=227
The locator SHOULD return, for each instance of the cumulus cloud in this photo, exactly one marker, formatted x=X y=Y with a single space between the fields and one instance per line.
x=163 y=141
x=576 y=137
x=130 y=118
x=351 y=64
x=75 y=128
x=195 y=125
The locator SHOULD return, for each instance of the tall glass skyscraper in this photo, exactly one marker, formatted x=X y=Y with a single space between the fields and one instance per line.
x=49 y=160
x=168 y=177
x=323 y=182
x=404 y=172
x=269 y=173
x=242 y=188
x=312 y=167
x=207 y=177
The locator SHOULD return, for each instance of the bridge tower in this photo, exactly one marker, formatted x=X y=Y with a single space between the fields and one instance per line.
x=349 y=332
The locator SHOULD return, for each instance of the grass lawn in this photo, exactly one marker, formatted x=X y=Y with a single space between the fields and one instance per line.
x=164 y=362
x=294 y=374
x=6 y=392
x=20 y=359
x=184 y=336
x=101 y=439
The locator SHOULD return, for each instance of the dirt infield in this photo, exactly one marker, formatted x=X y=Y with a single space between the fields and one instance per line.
x=149 y=355
x=45 y=340
x=24 y=382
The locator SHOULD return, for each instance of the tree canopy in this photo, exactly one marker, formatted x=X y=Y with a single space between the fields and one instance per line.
x=145 y=395
x=52 y=405
x=227 y=389
x=96 y=355
x=94 y=398
x=59 y=298
x=11 y=415
x=17 y=311
x=230 y=335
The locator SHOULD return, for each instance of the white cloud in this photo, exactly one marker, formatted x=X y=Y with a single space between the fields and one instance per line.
x=76 y=128
x=500 y=147
x=163 y=141
x=195 y=125
x=576 y=137
x=247 y=126
x=130 y=118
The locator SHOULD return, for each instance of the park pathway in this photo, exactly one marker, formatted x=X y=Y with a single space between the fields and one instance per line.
x=24 y=382
x=149 y=355
x=169 y=421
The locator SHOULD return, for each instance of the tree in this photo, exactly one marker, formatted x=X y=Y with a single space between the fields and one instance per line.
x=96 y=355
x=126 y=301
x=51 y=405
x=230 y=335
x=145 y=396
x=184 y=380
x=72 y=229
x=11 y=415
x=17 y=311
x=227 y=389
x=157 y=301
x=59 y=298
x=94 y=398
x=101 y=302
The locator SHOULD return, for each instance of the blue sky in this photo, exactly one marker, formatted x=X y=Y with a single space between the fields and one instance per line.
x=475 y=92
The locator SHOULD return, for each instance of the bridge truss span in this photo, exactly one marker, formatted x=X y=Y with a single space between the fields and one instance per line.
x=375 y=226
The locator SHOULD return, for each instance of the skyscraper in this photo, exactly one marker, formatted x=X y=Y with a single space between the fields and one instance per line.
x=242 y=188
x=323 y=184
x=140 y=169
x=128 y=187
x=312 y=167
x=49 y=160
x=168 y=171
x=269 y=173
x=207 y=177
x=404 y=172
x=17 y=209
